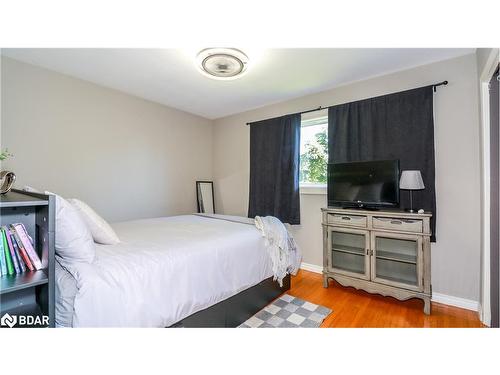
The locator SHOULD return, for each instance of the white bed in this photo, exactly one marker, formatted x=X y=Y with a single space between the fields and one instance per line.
x=164 y=270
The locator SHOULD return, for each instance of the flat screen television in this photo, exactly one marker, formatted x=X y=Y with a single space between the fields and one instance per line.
x=366 y=184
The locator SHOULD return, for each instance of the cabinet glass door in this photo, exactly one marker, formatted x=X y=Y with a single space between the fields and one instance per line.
x=396 y=260
x=348 y=252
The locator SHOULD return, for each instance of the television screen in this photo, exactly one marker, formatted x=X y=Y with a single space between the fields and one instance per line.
x=361 y=184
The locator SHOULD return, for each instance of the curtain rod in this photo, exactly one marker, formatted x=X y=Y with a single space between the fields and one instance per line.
x=444 y=83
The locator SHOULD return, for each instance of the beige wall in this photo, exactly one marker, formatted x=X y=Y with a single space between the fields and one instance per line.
x=127 y=157
x=456 y=255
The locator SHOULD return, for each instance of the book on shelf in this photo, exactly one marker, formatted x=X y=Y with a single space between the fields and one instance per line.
x=17 y=253
x=3 y=258
x=13 y=255
x=14 y=250
x=23 y=239
x=6 y=250
x=20 y=249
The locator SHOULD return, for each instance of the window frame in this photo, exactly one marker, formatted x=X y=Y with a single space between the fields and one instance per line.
x=313 y=188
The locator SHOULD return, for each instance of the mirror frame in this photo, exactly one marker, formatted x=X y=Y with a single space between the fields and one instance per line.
x=198 y=203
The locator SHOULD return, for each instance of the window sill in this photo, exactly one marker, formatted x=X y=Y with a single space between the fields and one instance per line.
x=312 y=189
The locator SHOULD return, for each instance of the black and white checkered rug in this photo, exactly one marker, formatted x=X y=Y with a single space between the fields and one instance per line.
x=288 y=312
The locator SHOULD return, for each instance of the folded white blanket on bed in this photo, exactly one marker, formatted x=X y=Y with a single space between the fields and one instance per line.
x=282 y=248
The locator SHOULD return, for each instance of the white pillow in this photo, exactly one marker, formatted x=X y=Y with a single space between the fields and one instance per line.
x=74 y=241
x=100 y=229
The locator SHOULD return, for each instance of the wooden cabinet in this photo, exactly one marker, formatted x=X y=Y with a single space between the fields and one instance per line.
x=384 y=252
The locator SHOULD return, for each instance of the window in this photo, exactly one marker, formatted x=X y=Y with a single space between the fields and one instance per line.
x=314 y=151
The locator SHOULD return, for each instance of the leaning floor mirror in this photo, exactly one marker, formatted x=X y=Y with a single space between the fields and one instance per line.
x=205 y=197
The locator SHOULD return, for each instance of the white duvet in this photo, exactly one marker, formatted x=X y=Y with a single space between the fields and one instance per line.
x=166 y=269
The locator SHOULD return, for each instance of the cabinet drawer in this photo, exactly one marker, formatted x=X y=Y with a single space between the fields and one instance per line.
x=405 y=225
x=351 y=220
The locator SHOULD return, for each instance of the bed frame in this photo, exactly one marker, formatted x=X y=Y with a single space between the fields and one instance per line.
x=237 y=309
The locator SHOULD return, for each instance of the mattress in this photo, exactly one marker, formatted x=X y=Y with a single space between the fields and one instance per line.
x=162 y=271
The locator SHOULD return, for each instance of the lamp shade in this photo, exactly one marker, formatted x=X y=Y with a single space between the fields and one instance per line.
x=411 y=180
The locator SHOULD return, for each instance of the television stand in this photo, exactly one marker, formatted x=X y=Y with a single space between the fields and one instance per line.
x=384 y=252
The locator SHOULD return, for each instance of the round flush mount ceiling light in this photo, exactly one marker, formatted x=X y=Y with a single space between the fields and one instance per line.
x=222 y=63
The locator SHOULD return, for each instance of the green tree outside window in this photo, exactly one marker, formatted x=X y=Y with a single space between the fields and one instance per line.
x=314 y=161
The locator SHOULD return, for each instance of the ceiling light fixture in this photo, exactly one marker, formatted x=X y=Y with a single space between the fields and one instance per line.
x=222 y=63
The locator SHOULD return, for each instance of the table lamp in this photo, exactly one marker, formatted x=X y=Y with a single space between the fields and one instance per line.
x=411 y=180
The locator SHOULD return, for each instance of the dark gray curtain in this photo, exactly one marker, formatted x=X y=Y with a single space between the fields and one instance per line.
x=274 y=168
x=395 y=126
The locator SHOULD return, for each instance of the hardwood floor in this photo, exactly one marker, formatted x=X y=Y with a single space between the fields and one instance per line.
x=353 y=308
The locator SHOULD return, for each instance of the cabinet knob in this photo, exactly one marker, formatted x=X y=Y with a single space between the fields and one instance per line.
x=346 y=218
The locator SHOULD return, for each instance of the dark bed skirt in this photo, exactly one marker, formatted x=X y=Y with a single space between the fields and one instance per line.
x=235 y=310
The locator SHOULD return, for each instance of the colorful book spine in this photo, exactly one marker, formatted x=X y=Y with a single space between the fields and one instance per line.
x=10 y=265
x=13 y=255
x=23 y=238
x=21 y=251
x=13 y=245
x=3 y=259
x=22 y=265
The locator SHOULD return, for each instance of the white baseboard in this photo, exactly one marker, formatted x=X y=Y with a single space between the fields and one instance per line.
x=311 y=267
x=436 y=297
x=455 y=301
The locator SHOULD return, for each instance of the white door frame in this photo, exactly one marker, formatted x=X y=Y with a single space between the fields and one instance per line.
x=484 y=97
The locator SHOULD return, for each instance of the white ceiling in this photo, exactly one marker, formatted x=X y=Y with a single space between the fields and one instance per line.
x=170 y=77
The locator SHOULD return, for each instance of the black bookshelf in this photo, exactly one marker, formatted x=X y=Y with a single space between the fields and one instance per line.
x=31 y=293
